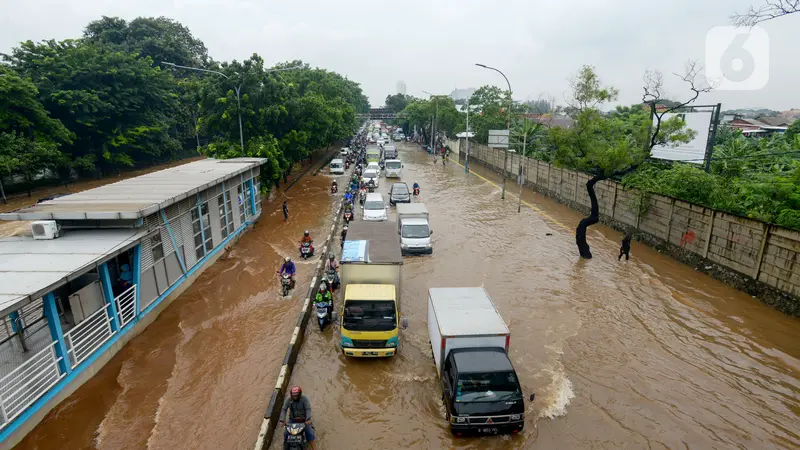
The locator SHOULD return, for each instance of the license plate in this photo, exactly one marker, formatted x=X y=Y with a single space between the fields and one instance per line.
x=295 y=438
x=370 y=353
x=488 y=430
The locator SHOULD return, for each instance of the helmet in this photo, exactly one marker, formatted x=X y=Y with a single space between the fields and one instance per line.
x=288 y=259
x=322 y=287
x=331 y=256
x=296 y=391
x=305 y=233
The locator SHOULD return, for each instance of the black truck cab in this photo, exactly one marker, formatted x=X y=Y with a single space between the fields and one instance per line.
x=482 y=394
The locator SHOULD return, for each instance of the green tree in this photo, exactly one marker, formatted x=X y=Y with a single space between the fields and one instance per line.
x=397 y=102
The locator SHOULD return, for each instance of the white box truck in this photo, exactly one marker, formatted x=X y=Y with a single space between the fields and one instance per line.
x=414 y=229
x=469 y=341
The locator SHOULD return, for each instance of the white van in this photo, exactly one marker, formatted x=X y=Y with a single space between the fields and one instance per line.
x=370 y=174
x=374 y=208
x=337 y=167
x=393 y=167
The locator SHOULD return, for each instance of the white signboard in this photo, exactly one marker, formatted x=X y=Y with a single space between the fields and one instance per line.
x=694 y=151
x=498 y=138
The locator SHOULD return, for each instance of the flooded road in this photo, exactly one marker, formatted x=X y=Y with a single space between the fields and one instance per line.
x=201 y=375
x=640 y=354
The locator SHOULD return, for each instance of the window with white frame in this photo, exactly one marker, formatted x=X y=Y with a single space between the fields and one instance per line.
x=223 y=223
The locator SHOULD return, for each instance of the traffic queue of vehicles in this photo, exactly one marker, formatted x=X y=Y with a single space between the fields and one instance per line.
x=469 y=339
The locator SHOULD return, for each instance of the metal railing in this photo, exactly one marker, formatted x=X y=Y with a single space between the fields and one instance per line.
x=25 y=384
x=89 y=335
x=126 y=306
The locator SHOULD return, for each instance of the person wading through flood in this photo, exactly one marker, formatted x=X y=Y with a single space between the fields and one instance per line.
x=625 y=249
x=285 y=211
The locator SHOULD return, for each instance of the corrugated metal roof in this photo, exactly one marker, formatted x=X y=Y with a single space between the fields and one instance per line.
x=383 y=242
x=140 y=196
x=465 y=312
x=31 y=268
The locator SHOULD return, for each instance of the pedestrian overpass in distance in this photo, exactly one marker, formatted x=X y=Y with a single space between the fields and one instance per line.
x=380 y=114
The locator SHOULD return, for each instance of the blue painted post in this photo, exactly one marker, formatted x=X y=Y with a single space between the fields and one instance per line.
x=53 y=322
x=108 y=294
x=16 y=324
x=174 y=244
x=251 y=186
x=136 y=269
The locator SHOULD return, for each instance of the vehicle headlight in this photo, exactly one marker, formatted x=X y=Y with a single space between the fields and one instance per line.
x=456 y=419
x=516 y=416
x=392 y=342
x=347 y=342
x=404 y=246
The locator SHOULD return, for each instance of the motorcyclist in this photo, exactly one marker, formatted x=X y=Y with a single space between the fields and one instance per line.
x=332 y=264
x=344 y=234
x=348 y=196
x=371 y=184
x=415 y=189
x=288 y=268
x=306 y=238
x=324 y=295
x=334 y=186
x=299 y=409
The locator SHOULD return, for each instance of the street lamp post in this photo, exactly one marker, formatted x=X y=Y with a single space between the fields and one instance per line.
x=235 y=88
x=466 y=158
x=508 y=125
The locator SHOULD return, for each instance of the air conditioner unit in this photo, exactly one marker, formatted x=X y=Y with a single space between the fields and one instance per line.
x=45 y=229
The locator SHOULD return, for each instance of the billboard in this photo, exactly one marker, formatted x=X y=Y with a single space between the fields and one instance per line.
x=498 y=138
x=694 y=151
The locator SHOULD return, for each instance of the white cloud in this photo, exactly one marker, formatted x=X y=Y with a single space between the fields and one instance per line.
x=433 y=44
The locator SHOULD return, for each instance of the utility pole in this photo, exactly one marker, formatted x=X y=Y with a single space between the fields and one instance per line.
x=466 y=160
x=508 y=126
x=520 y=175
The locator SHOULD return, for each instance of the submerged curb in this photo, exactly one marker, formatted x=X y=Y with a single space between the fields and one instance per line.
x=270 y=421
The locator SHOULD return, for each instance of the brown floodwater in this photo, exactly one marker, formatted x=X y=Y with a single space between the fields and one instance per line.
x=201 y=375
x=640 y=354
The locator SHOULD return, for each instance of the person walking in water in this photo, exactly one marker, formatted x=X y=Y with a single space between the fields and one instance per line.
x=625 y=249
x=285 y=211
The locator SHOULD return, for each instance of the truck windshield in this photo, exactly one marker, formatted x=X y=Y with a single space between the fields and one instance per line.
x=415 y=231
x=369 y=315
x=393 y=164
x=487 y=387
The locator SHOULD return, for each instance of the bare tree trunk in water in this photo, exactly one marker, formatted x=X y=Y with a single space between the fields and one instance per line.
x=586 y=222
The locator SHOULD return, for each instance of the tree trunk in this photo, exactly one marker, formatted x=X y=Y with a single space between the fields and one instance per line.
x=586 y=222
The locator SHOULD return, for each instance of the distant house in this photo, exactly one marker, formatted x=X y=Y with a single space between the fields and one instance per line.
x=551 y=120
x=776 y=121
x=756 y=127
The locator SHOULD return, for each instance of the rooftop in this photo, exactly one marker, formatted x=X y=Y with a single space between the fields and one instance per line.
x=372 y=243
x=465 y=312
x=137 y=197
x=31 y=268
x=482 y=361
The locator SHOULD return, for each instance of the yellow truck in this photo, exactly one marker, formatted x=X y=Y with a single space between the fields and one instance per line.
x=373 y=154
x=370 y=271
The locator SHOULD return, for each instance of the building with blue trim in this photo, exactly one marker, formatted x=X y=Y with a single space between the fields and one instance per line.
x=124 y=251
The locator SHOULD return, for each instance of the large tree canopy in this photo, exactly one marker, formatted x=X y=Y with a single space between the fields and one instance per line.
x=105 y=101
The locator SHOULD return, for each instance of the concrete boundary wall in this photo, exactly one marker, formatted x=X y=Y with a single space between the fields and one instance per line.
x=271 y=417
x=759 y=258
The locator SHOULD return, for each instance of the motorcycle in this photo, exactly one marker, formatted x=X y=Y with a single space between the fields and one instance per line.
x=330 y=278
x=348 y=216
x=323 y=310
x=286 y=283
x=334 y=189
x=296 y=437
x=416 y=192
x=306 y=250
x=362 y=197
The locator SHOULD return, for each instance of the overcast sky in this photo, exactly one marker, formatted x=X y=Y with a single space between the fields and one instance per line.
x=432 y=45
